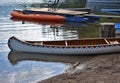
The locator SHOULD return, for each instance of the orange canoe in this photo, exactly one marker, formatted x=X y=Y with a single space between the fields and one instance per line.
x=37 y=17
x=43 y=22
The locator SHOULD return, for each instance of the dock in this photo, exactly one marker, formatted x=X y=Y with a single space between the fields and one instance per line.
x=106 y=16
x=59 y=11
x=70 y=12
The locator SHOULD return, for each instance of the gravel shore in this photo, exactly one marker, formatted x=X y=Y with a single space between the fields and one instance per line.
x=100 y=69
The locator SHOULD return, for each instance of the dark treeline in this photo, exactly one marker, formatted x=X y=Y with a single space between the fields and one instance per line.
x=73 y=3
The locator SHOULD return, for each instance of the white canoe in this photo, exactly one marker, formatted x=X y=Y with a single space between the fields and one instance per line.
x=81 y=46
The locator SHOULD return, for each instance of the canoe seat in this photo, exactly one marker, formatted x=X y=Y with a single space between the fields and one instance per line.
x=35 y=42
x=40 y=43
x=114 y=41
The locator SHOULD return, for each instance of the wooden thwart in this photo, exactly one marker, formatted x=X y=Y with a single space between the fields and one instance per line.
x=107 y=41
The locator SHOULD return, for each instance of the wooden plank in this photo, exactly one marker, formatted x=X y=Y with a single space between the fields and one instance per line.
x=107 y=41
x=66 y=44
x=59 y=11
x=107 y=16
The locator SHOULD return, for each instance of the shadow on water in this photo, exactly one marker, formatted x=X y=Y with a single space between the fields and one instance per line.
x=15 y=57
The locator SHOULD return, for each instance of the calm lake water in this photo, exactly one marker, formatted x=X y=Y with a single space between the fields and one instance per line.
x=30 y=68
x=24 y=71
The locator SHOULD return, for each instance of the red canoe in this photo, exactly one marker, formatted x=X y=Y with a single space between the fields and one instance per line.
x=37 y=17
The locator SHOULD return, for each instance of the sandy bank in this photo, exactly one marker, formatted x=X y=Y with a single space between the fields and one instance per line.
x=100 y=69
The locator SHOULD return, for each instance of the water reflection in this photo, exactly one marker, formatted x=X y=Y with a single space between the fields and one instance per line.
x=37 y=22
x=52 y=23
x=30 y=68
x=68 y=30
x=15 y=57
x=45 y=66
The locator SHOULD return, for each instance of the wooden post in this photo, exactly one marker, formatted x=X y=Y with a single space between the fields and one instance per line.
x=107 y=30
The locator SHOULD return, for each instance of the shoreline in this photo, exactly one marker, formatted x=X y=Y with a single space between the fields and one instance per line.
x=100 y=69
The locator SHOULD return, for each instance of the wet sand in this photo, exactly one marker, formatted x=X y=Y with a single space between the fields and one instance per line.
x=100 y=69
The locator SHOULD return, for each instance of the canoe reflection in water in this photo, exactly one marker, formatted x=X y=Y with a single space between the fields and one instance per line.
x=15 y=57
